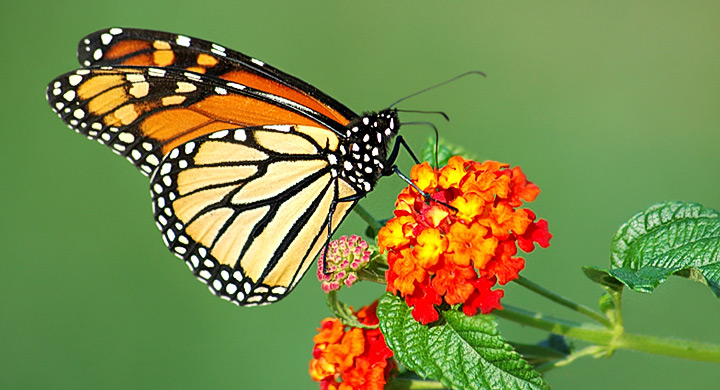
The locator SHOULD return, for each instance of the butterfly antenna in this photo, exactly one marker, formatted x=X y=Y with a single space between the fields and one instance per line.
x=447 y=118
x=438 y=85
x=437 y=136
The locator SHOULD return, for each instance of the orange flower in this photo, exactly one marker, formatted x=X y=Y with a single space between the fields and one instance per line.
x=469 y=206
x=430 y=244
x=397 y=232
x=407 y=272
x=471 y=243
x=351 y=359
x=436 y=254
x=453 y=173
x=424 y=176
x=453 y=282
x=330 y=332
x=504 y=219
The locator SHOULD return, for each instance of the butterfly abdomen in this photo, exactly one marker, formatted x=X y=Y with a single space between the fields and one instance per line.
x=363 y=153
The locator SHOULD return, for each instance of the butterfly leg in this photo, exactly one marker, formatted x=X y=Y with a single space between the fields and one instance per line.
x=399 y=141
x=392 y=168
x=328 y=223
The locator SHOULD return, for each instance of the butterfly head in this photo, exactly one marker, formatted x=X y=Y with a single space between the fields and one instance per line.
x=380 y=125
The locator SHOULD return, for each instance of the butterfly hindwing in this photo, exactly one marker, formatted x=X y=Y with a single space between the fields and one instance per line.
x=136 y=47
x=247 y=208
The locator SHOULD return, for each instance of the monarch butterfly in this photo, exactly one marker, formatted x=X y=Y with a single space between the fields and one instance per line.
x=250 y=168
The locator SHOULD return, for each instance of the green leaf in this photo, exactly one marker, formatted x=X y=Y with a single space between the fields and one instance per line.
x=603 y=277
x=445 y=151
x=665 y=239
x=461 y=352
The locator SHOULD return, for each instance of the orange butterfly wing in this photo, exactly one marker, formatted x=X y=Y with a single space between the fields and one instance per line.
x=115 y=46
x=147 y=92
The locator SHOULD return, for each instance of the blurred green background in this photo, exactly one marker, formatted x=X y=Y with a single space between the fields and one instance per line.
x=608 y=106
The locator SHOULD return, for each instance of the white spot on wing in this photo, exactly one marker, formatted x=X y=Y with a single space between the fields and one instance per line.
x=135 y=77
x=193 y=76
x=106 y=38
x=182 y=40
x=156 y=72
x=152 y=160
x=74 y=79
x=236 y=85
x=126 y=137
x=219 y=134
x=165 y=169
x=283 y=128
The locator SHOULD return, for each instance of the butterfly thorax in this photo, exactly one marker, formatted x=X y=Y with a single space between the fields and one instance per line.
x=363 y=152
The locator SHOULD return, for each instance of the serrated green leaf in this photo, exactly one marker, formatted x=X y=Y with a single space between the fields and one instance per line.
x=668 y=238
x=445 y=151
x=461 y=352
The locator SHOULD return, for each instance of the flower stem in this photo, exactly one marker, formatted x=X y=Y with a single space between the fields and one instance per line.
x=591 y=350
x=615 y=338
x=407 y=384
x=365 y=215
x=372 y=275
x=582 y=309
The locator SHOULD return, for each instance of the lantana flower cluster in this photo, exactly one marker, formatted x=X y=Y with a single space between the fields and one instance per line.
x=437 y=255
x=345 y=256
x=351 y=359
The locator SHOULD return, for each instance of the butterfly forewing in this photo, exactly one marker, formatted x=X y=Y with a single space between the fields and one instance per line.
x=143 y=113
x=246 y=211
x=123 y=46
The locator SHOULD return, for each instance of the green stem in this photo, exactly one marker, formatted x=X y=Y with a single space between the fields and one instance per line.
x=582 y=309
x=614 y=338
x=365 y=215
x=591 y=350
x=372 y=275
x=406 y=384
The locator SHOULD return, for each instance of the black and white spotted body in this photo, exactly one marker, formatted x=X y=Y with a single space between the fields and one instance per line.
x=363 y=153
